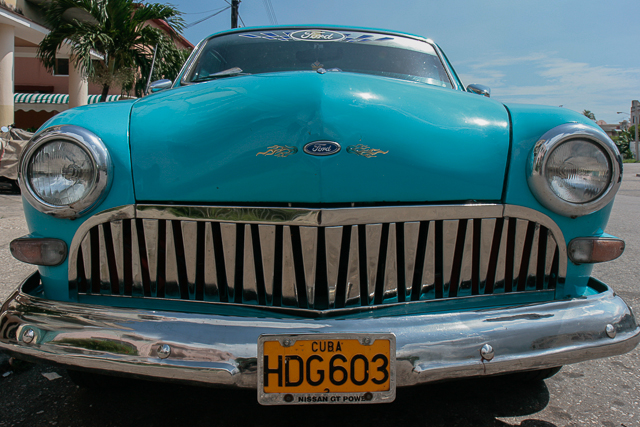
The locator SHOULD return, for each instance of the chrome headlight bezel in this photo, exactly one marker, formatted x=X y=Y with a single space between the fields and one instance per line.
x=537 y=168
x=100 y=160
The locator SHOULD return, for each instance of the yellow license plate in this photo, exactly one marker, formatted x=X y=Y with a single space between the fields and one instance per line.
x=326 y=368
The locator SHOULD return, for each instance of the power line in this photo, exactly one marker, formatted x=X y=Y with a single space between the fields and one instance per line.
x=200 y=13
x=270 y=12
x=204 y=19
x=241 y=20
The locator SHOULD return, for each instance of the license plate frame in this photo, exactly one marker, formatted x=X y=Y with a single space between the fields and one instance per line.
x=294 y=342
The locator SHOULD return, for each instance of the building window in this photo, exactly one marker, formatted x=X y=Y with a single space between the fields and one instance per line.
x=62 y=67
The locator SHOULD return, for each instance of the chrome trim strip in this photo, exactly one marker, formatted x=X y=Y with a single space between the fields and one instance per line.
x=538 y=336
x=533 y=215
x=320 y=217
x=444 y=62
x=114 y=214
x=537 y=168
x=100 y=159
x=189 y=63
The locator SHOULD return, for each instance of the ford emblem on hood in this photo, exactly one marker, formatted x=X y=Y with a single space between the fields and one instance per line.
x=322 y=148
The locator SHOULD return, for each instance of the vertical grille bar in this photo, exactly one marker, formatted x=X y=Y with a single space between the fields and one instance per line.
x=186 y=284
x=456 y=269
x=118 y=251
x=200 y=257
x=267 y=235
x=111 y=261
x=249 y=283
x=353 y=286
x=390 y=289
x=172 y=284
x=439 y=261
x=419 y=261
x=210 y=291
x=526 y=256
x=220 y=262
x=95 y=260
x=298 y=268
x=309 y=253
x=378 y=292
x=238 y=283
x=335 y=247
x=321 y=284
x=162 y=252
x=493 y=259
x=511 y=243
x=343 y=269
x=289 y=284
x=475 y=254
x=542 y=255
x=228 y=241
x=257 y=254
x=148 y=247
x=189 y=243
x=373 y=235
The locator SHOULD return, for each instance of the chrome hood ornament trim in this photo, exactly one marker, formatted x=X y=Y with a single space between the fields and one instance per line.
x=365 y=151
x=279 y=151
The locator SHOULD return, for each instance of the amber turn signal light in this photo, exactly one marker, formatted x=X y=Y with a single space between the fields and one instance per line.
x=588 y=250
x=39 y=251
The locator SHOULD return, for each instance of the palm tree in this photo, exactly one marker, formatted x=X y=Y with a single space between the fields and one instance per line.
x=589 y=114
x=113 y=29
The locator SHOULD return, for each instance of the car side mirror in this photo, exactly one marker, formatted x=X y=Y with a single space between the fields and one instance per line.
x=159 y=85
x=480 y=90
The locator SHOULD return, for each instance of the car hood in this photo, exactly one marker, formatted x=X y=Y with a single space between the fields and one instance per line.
x=241 y=139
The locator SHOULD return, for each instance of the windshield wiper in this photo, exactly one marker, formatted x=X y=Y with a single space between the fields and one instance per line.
x=235 y=71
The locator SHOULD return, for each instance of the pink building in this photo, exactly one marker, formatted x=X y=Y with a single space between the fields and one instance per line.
x=22 y=75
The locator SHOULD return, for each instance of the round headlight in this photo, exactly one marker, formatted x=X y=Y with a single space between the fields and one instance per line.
x=574 y=170
x=61 y=173
x=65 y=171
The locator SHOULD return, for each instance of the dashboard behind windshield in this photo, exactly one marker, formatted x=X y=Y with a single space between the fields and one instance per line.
x=257 y=52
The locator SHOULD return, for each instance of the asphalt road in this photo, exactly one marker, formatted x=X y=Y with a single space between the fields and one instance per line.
x=602 y=392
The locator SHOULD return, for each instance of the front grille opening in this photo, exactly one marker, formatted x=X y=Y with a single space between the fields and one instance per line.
x=315 y=268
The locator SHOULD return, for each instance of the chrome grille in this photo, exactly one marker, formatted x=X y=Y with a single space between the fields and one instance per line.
x=316 y=259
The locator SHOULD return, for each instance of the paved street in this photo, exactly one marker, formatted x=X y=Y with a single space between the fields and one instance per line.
x=601 y=392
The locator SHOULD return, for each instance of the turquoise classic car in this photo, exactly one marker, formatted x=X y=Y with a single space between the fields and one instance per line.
x=322 y=214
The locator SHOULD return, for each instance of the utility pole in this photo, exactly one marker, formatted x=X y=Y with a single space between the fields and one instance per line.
x=635 y=114
x=234 y=13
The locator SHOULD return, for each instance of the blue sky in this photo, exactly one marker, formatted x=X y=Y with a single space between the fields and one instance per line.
x=578 y=54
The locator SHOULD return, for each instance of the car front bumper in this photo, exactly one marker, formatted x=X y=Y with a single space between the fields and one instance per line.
x=222 y=350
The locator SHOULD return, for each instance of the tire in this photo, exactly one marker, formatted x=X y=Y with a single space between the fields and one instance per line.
x=534 y=376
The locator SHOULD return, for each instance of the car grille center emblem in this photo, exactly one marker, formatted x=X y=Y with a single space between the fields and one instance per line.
x=322 y=148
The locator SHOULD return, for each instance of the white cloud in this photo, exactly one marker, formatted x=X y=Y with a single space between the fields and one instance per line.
x=551 y=80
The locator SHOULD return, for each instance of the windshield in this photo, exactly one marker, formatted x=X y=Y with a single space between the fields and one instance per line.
x=256 y=52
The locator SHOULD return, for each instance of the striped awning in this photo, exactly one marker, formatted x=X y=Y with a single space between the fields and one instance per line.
x=54 y=98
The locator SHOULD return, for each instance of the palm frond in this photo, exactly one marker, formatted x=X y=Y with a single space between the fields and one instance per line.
x=116 y=29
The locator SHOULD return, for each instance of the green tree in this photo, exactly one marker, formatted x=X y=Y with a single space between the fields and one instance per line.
x=168 y=67
x=117 y=30
x=624 y=140
x=589 y=114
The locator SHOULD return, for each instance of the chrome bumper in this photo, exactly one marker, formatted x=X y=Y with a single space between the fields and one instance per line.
x=222 y=350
